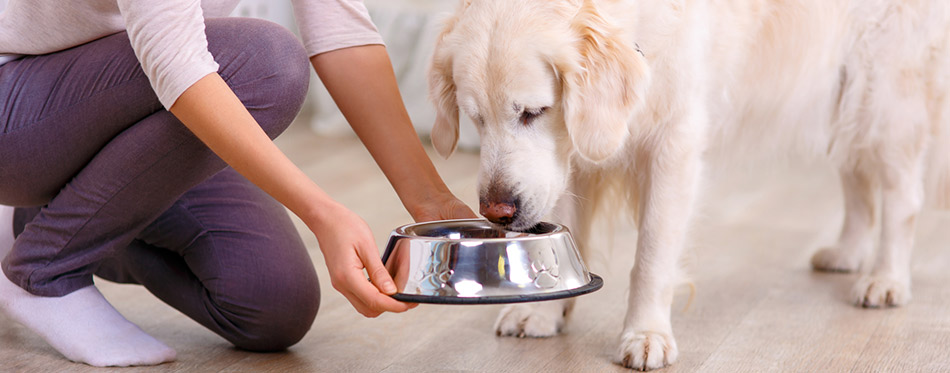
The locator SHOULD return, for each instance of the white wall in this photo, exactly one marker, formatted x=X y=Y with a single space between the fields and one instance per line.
x=280 y=12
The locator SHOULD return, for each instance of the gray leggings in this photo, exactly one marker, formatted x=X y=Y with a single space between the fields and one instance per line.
x=108 y=182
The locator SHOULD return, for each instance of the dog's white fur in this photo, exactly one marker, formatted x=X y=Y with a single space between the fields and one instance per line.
x=862 y=82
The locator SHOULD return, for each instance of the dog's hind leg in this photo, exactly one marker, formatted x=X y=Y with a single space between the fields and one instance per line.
x=890 y=98
x=888 y=283
x=856 y=241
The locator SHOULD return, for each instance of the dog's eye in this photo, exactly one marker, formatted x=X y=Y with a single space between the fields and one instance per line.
x=529 y=115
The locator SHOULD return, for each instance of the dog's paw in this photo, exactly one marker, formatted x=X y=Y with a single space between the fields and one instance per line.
x=530 y=320
x=881 y=291
x=647 y=350
x=835 y=260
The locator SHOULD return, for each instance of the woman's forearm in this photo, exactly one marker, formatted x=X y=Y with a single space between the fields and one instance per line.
x=216 y=116
x=211 y=110
x=363 y=85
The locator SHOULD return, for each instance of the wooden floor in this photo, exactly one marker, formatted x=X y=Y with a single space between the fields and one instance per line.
x=757 y=307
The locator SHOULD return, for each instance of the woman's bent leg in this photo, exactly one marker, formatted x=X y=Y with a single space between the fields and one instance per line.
x=107 y=160
x=228 y=256
x=141 y=170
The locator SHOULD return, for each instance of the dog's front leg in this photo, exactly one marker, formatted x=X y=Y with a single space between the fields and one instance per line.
x=537 y=320
x=546 y=319
x=667 y=191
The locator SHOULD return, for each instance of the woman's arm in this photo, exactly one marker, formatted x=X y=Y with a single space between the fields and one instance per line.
x=363 y=85
x=211 y=110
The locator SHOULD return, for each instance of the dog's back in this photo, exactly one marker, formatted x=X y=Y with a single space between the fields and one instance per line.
x=831 y=78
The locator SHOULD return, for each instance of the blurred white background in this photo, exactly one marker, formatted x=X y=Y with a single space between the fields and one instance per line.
x=409 y=28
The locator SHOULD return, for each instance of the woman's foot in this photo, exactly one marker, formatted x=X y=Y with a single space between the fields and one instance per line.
x=82 y=325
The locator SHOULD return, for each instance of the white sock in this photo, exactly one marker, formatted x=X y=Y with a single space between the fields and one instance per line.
x=82 y=325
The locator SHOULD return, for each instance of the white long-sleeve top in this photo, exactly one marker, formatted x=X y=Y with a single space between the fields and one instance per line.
x=168 y=35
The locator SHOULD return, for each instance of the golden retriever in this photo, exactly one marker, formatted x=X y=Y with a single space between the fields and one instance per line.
x=571 y=97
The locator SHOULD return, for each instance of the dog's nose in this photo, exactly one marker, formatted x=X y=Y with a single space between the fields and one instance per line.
x=498 y=204
x=498 y=212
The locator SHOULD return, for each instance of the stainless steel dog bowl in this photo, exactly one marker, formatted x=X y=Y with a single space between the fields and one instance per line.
x=474 y=262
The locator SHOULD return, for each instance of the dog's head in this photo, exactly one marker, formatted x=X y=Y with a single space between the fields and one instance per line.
x=542 y=81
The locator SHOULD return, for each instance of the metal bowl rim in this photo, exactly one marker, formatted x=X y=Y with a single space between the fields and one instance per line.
x=596 y=283
x=401 y=232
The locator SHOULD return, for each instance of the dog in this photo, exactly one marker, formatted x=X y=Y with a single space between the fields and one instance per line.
x=574 y=99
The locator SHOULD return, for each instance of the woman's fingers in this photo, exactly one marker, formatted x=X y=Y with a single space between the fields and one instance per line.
x=373 y=293
x=363 y=295
x=367 y=294
x=360 y=307
x=377 y=272
x=349 y=248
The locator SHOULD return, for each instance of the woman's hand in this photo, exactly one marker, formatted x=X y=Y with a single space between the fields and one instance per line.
x=349 y=248
x=442 y=207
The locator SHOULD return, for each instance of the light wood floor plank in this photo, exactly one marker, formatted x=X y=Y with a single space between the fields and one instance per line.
x=757 y=305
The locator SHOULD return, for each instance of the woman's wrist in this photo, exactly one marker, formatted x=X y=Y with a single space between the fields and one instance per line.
x=319 y=214
x=307 y=201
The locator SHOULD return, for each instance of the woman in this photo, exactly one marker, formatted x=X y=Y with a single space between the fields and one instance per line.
x=130 y=130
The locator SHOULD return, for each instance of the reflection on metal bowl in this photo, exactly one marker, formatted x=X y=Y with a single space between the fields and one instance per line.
x=475 y=262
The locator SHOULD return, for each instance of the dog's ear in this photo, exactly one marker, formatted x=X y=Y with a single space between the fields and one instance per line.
x=602 y=89
x=445 y=131
x=442 y=93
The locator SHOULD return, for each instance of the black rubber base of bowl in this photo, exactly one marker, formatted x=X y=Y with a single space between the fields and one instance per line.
x=595 y=284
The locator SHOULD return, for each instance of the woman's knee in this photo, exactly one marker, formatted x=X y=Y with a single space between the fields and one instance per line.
x=265 y=65
x=282 y=314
